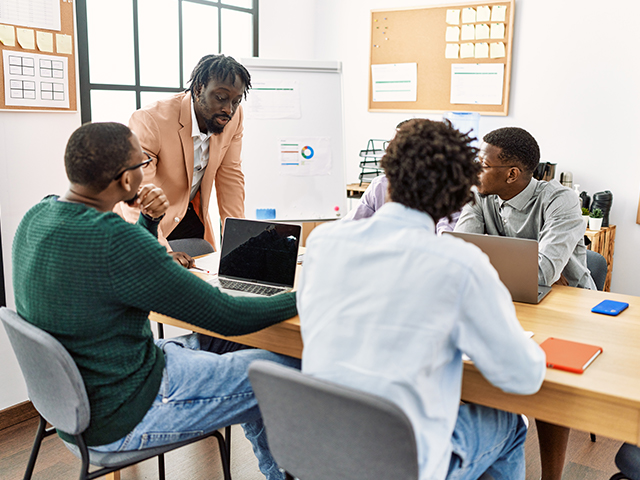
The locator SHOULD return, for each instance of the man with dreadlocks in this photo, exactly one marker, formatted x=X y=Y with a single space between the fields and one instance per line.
x=195 y=138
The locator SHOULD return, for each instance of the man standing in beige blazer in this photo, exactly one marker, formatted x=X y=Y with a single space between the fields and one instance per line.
x=195 y=139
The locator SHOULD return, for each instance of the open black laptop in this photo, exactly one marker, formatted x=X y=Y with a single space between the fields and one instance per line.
x=515 y=260
x=258 y=257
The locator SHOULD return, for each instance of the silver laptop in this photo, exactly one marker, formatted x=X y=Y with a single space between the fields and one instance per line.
x=258 y=257
x=515 y=260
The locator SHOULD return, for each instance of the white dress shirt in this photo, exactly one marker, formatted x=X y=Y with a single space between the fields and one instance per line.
x=200 y=152
x=388 y=307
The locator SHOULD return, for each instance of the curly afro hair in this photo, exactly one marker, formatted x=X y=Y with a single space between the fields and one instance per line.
x=431 y=167
x=518 y=146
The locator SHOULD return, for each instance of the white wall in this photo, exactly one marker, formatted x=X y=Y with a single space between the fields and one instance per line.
x=574 y=86
x=31 y=167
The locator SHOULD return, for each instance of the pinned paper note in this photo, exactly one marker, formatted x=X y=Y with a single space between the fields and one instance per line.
x=482 y=50
x=467 y=50
x=483 y=14
x=468 y=15
x=453 y=17
x=482 y=31
x=452 y=50
x=497 y=31
x=63 y=44
x=498 y=13
x=468 y=32
x=26 y=38
x=453 y=34
x=44 y=41
x=497 y=50
x=7 y=35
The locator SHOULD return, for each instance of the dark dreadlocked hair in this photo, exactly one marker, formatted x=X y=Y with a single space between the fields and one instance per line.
x=431 y=167
x=220 y=68
x=517 y=146
x=96 y=152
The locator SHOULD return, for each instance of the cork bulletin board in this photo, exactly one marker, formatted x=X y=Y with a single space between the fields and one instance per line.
x=38 y=67
x=446 y=58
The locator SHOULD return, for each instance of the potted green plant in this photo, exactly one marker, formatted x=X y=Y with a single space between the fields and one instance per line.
x=585 y=216
x=595 y=219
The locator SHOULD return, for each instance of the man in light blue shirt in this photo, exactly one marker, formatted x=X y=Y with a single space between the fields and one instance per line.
x=389 y=307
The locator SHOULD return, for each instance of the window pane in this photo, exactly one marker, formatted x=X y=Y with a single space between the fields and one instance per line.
x=149 y=97
x=112 y=105
x=158 y=40
x=237 y=34
x=200 y=34
x=239 y=3
x=110 y=32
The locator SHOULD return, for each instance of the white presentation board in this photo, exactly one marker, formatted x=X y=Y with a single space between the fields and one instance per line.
x=293 y=149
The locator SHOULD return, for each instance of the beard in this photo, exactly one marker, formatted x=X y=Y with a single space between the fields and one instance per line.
x=131 y=201
x=213 y=127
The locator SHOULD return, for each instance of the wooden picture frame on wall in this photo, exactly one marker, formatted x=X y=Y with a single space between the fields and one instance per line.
x=419 y=35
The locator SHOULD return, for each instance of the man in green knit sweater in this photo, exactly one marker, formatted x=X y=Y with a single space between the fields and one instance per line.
x=89 y=278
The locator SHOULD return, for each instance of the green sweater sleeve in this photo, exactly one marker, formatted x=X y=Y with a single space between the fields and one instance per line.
x=144 y=276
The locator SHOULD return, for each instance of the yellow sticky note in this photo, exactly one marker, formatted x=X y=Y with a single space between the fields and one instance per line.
x=44 y=41
x=467 y=50
x=497 y=50
x=453 y=34
x=497 y=31
x=499 y=13
x=482 y=50
x=26 y=38
x=468 y=32
x=483 y=14
x=453 y=17
x=468 y=15
x=63 y=44
x=7 y=35
x=482 y=31
x=452 y=50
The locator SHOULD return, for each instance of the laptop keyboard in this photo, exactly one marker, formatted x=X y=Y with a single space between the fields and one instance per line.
x=250 y=287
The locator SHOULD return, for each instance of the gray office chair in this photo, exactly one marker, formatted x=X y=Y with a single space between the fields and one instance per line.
x=194 y=247
x=597 y=266
x=318 y=430
x=57 y=391
x=628 y=461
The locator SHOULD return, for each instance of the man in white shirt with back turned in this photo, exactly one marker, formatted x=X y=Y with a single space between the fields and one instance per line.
x=388 y=307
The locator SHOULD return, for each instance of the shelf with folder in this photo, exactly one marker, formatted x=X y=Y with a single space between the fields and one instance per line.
x=370 y=166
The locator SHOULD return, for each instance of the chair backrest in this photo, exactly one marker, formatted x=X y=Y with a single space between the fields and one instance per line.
x=597 y=266
x=54 y=384
x=628 y=461
x=318 y=429
x=193 y=247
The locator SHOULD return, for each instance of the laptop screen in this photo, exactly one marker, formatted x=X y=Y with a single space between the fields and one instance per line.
x=258 y=251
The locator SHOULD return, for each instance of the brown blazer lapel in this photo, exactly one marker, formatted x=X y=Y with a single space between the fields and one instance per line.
x=185 y=135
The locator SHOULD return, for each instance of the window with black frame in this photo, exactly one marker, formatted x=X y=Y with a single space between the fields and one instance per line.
x=133 y=52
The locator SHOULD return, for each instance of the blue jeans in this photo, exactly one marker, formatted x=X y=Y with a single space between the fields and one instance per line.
x=487 y=440
x=201 y=392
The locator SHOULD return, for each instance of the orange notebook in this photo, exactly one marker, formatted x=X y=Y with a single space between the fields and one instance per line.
x=570 y=356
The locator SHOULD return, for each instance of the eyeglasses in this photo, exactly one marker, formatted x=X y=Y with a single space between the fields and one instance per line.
x=485 y=166
x=141 y=164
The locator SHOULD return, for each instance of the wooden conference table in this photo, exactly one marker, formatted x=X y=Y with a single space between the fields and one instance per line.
x=605 y=400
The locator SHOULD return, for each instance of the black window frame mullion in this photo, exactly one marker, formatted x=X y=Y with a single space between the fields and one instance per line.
x=83 y=52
